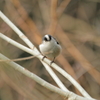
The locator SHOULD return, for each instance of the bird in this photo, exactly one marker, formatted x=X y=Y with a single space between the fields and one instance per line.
x=50 y=47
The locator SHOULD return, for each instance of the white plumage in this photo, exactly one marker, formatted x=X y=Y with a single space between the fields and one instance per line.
x=50 y=47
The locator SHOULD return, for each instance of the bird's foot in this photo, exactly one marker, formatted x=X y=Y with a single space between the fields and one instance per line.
x=43 y=58
x=51 y=62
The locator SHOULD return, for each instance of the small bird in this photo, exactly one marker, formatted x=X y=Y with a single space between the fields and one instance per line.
x=50 y=47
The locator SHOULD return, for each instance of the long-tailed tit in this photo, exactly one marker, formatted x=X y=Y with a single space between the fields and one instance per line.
x=50 y=47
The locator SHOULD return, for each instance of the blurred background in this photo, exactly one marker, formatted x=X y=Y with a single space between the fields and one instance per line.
x=74 y=23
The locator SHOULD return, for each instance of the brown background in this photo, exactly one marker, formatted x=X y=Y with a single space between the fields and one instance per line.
x=74 y=23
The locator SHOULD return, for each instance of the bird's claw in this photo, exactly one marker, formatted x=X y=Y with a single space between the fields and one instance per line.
x=43 y=58
x=51 y=62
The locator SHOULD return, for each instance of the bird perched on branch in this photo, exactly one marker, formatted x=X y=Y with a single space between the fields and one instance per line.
x=50 y=47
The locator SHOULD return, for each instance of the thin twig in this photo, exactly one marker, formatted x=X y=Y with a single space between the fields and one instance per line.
x=56 y=67
x=78 y=56
x=36 y=52
x=23 y=16
x=18 y=59
x=21 y=35
x=40 y=81
x=60 y=70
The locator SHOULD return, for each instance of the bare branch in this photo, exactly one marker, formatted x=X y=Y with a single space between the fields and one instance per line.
x=45 y=84
x=35 y=53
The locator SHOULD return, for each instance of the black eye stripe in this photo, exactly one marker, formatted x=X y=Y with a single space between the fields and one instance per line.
x=49 y=37
x=45 y=39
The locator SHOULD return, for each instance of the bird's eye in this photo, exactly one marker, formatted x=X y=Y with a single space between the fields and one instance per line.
x=57 y=42
x=45 y=39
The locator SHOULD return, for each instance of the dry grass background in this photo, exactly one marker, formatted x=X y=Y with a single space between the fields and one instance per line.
x=75 y=24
